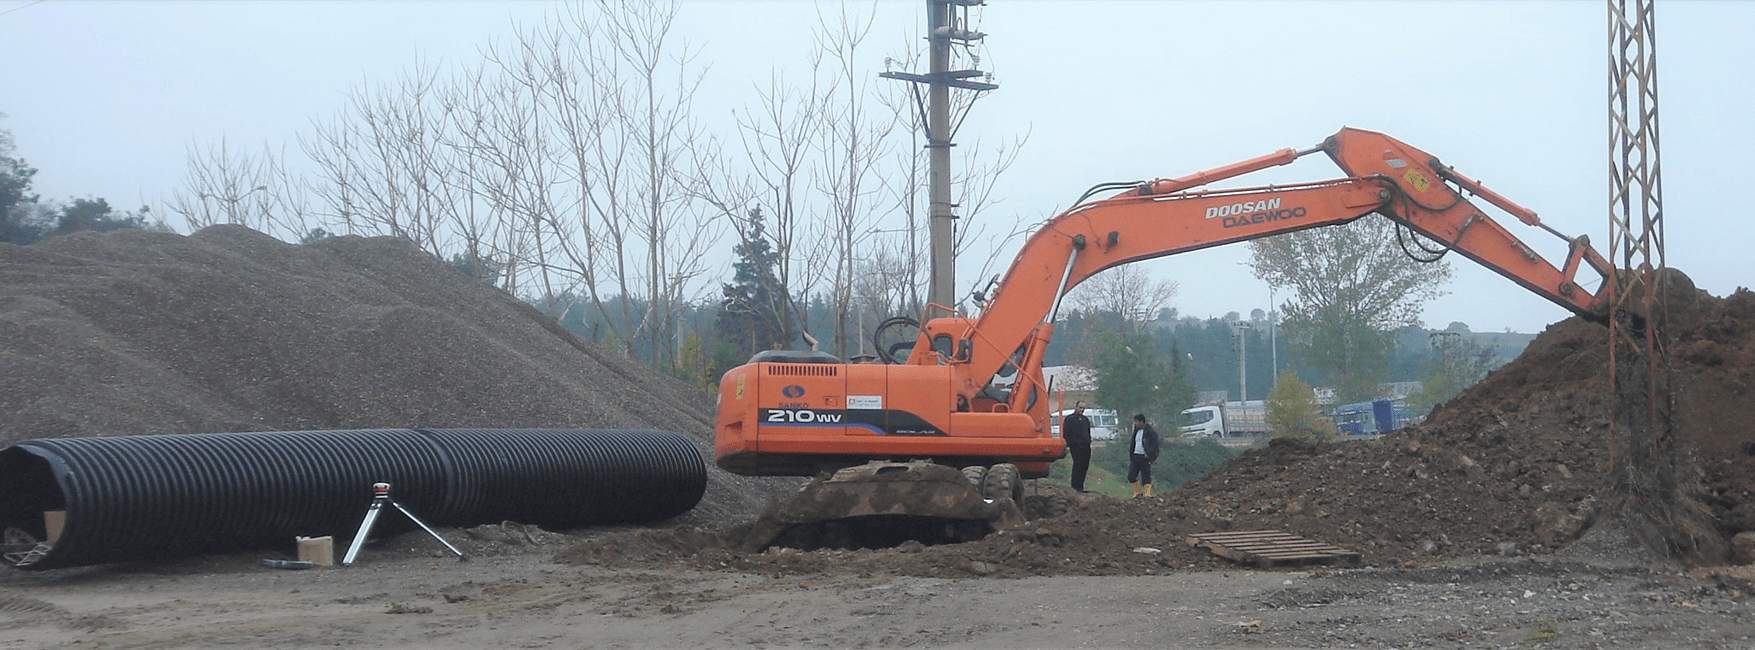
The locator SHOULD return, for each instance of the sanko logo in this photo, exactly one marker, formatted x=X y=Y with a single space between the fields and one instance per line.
x=1245 y=207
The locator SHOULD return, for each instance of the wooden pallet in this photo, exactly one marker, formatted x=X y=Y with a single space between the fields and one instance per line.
x=1272 y=548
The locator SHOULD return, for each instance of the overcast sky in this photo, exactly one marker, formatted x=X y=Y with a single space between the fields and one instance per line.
x=102 y=98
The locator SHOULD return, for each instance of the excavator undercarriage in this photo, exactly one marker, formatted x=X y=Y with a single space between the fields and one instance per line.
x=882 y=504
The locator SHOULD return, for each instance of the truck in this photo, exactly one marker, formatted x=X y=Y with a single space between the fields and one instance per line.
x=966 y=390
x=1104 y=422
x=1225 y=420
x=1371 y=418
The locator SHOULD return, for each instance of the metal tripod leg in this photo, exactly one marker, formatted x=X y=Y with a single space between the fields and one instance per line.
x=423 y=526
x=359 y=539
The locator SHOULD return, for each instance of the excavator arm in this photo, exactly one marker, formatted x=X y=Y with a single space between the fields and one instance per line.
x=1171 y=216
x=971 y=390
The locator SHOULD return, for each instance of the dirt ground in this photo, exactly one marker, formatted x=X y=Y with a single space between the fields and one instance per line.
x=408 y=593
x=1499 y=522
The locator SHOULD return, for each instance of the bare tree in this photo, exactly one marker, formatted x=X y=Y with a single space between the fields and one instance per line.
x=657 y=115
x=380 y=161
x=776 y=136
x=226 y=186
x=982 y=168
x=882 y=287
x=1127 y=291
x=477 y=175
x=568 y=163
x=853 y=145
x=906 y=185
x=584 y=95
x=559 y=158
x=502 y=132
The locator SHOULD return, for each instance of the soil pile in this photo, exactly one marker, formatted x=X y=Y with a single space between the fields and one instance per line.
x=132 y=332
x=1516 y=465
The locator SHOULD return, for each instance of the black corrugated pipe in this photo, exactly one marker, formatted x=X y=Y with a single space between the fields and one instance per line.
x=132 y=497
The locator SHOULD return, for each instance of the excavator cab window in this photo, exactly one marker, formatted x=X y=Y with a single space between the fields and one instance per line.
x=994 y=393
x=942 y=345
x=1011 y=365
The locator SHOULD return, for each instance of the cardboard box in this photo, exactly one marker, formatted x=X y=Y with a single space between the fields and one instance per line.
x=53 y=522
x=317 y=550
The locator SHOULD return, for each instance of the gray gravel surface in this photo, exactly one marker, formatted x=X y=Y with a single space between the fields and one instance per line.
x=132 y=332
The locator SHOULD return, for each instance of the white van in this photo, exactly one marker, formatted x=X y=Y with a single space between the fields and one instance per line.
x=1104 y=422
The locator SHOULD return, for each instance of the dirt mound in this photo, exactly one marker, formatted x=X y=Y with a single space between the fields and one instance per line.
x=1516 y=465
x=132 y=332
x=1095 y=536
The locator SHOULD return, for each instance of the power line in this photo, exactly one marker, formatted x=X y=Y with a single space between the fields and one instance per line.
x=38 y=2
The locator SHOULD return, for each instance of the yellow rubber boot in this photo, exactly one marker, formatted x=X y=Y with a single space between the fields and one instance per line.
x=1136 y=489
x=1148 y=490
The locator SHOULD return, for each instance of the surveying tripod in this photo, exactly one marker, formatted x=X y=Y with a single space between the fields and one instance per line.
x=381 y=496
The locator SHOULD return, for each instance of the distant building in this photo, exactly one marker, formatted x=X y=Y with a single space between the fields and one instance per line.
x=1070 y=384
x=1399 y=390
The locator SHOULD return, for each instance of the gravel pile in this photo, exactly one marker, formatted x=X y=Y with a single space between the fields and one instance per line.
x=131 y=332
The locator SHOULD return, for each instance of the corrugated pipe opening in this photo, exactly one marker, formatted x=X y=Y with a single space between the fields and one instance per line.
x=133 y=497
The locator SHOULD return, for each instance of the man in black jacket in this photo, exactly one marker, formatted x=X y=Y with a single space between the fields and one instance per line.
x=1075 y=429
x=1142 y=452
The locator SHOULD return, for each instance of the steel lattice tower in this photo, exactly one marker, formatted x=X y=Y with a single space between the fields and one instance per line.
x=1636 y=230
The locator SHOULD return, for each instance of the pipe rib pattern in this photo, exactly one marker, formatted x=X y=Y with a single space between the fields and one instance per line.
x=134 y=497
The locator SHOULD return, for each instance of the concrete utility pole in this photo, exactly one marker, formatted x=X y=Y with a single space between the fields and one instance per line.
x=943 y=28
x=1242 y=360
x=1274 y=329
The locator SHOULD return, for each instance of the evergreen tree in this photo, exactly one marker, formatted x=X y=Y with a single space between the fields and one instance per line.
x=754 y=313
x=15 y=180
x=97 y=216
x=485 y=269
x=318 y=234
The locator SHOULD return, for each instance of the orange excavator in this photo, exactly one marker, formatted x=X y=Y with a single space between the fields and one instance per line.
x=968 y=392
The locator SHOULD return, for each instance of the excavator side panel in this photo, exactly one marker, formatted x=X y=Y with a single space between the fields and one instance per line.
x=801 y=419
x=733 y=428
x=801 y=401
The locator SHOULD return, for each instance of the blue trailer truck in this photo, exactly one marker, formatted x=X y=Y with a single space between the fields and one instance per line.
x=1371 y=418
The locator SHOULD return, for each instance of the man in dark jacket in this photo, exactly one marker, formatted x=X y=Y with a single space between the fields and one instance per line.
x=1142 y=452
x=1075 y=429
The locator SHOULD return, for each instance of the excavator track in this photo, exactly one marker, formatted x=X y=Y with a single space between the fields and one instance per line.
x=882 y=504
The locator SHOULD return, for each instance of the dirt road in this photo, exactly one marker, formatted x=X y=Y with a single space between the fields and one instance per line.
x=522 y=598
